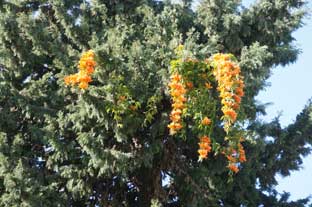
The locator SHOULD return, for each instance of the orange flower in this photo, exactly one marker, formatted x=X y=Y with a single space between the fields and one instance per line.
x=239 y=92
x=175 y=118
x=235 y=106
x=89 y=70
x=233 y=168
x=208 y=85
x=178 y=105
x=83 y=85
x=174 y=127
x=202 y=154
x=83 y=77
x=237 y=99
x=205 y=139
x=225 y=95
x=176 y=77
x=206 y=121
x=240 y=83
x=231 y=114
x=176 y=112
x=228 y=103
x=180 y=98
x=176 y=86
x=171 y=125
x=178 y=126
x=204 y=145
x=189 y=85
x=87 y=62
x=177 y=93
x=242 y=155
x=71 y=79
x=231 y=158
x=67 y=80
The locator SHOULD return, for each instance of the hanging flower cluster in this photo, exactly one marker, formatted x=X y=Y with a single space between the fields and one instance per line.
x=235 y=157
x=204 y=141
x=86 y=68
x=177 y=91
x=204 y=147
x=230 y=86
x=231 y=89
x=242 y=155
x=192 y=81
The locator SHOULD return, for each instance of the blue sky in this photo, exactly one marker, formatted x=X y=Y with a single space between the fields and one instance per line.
x=291 y=88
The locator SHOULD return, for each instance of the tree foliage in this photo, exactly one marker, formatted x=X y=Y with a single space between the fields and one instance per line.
x=109 y=145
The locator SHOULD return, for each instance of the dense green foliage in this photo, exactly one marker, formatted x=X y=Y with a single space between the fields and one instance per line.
x=61 y=146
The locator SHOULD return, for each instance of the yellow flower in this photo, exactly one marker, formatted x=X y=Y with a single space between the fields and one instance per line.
x=180 y=48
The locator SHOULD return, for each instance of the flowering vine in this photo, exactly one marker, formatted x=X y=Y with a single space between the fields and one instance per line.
x=230 y=86
x=192 y=87
x=86 y=68
x=177 y=91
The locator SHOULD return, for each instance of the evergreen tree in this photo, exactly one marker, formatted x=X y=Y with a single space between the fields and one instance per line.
x=109 y=145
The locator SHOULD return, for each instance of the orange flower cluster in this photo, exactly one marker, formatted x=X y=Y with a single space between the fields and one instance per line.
x=230 y=86
x=241 y=151
x=190 y=78
x=234 y=158
x=86 y=68
x=177 y=91
x=204 y=147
